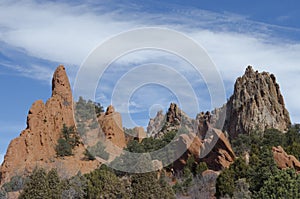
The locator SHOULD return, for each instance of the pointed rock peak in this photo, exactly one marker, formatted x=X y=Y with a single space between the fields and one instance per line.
x=174 y=113
x=159 y=113
x=60 y=83
x=256 y=104
x=249 y=69
x=110 y=109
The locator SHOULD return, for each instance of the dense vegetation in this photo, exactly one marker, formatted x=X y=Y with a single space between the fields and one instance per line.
x=101 y=183
x=261 y=178
x=253 y=177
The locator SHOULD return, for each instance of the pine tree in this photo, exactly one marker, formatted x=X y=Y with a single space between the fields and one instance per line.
x=37 y=186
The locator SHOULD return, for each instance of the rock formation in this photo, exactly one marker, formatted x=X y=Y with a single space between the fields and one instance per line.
x=283 y=160
x=140 y=134
x=35 y=147
x=256 y=104
x=216 y=150
x=111 y=124
x=209 y=145
x=189 y=143
x=173 y=120
x=203 y=120
x=156 y=124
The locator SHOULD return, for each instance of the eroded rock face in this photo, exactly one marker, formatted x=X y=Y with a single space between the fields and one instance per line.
x=283 y=160
x=256 y=104
x=35 y=147
x=111 y=124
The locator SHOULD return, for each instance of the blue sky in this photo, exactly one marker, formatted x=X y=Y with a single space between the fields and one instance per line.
x=36 y=36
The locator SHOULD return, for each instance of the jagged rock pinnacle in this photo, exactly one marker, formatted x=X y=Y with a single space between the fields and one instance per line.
x=256 y=104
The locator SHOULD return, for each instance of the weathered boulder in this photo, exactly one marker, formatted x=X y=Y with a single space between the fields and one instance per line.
x=283 y=160
x=190 y=145
x=215 y=150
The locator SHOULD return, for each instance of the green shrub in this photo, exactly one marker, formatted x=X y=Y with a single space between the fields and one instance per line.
x=16 y=183
x=68 y=140
x=41 y=184
x=63 y=148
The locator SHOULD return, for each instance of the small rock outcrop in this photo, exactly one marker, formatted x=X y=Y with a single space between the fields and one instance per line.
x=256 y=104
x=283 y=160
x=111 y=124
x=35 y=147
x=140 y=133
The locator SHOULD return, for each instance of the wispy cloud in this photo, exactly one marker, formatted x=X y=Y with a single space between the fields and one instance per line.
x=36 y=72
x=66 y=33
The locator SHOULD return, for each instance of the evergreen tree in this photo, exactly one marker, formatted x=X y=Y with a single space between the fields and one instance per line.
x=283 y=184
x=103 y=183
x=54 y=184
x=225 y=184
x=37 y=186
x=68 y=140
x=147 y=185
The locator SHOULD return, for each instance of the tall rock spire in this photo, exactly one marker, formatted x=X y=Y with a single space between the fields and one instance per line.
x=35 y=147
x=61 y=85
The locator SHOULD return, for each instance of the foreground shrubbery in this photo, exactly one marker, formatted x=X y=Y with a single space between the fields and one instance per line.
x=261 y=178
x=101 y=183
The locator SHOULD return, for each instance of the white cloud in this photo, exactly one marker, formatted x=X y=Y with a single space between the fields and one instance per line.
x=67 y=33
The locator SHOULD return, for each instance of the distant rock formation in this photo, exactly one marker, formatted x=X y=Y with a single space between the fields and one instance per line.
x=256 y=104
x=155 y=124
x=203 y=120
x=174 y=119
x=111 y=124
x=283 y=160
x=35 y=147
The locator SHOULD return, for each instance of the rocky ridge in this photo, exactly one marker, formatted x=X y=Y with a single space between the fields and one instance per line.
x=256 y=104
